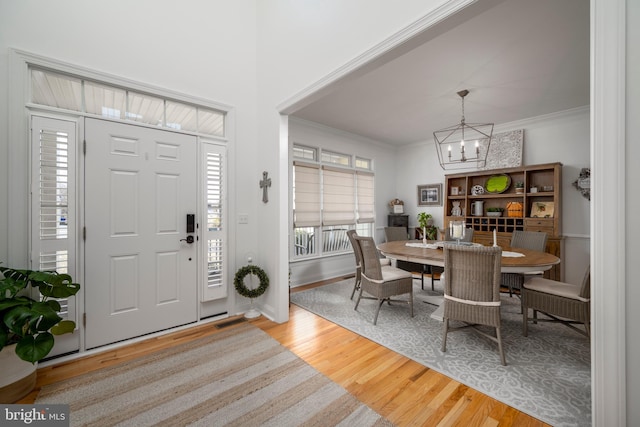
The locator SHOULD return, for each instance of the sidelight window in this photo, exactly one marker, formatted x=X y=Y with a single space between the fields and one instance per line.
x=53 y=199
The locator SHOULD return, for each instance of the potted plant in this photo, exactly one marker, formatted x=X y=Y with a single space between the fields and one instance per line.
x=494 y=211
x=28 y=324
x=31 y=323
x=519 y=187
x=425 y=221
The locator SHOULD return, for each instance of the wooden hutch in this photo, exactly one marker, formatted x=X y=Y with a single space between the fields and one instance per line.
x=540 y=201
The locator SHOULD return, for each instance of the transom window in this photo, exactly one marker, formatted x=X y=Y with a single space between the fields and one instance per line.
x=97 y=98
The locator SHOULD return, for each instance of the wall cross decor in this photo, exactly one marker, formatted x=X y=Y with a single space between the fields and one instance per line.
x=264 y=184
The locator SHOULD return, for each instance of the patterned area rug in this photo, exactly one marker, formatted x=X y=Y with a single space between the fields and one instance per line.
x=548 y=373
x=238 y=377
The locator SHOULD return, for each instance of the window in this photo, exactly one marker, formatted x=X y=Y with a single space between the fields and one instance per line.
x=102 y=99
x=329 y=198
x=336 y=158
x=305 y=153
x=216 y=220
x=363 y=163
x=53 y=203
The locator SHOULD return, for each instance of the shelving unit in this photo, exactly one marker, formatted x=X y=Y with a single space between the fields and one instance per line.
x=546 y=178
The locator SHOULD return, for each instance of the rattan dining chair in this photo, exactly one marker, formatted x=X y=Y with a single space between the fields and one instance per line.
x=381 y=283
x=394 y=234
x=534 y=240
x=358 y=256
x=562 y=302
x=472 y=290
x=436 y=270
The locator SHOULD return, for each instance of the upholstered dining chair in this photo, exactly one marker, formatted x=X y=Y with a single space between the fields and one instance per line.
x=358 y=255
x=381 y=283
x=562 y=302
x=534 y=240
x=472 y=290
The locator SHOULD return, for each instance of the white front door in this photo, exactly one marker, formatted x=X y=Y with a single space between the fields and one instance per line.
x=140 y=275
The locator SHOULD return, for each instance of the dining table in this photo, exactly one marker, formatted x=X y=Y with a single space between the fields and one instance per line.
x=514 y=260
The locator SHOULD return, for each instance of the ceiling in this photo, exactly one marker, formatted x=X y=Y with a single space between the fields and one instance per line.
x=518 y=59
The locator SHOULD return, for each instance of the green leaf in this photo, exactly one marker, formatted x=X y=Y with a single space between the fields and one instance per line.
x=14 y=302
x=53 y=304
x=44 y=315
x=17 y=319
x=34 y=349
x=64 y=327
x=65 y=289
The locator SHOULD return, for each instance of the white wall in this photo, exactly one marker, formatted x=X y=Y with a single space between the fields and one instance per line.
x=562 y=137
x=383 y=156
x=298 y=44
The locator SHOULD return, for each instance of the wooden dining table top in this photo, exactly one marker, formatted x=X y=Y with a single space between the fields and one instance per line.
x=531 y=261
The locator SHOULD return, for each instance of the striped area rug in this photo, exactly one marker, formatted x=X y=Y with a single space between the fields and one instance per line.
x=237 y=377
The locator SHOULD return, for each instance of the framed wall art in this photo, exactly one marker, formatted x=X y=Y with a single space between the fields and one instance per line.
x=430 y=195
x=542 y=210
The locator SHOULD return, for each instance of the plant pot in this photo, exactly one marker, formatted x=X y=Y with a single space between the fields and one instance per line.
x=17 y=377
x=494 y=213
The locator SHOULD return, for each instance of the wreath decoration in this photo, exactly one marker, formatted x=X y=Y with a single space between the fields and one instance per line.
x=238 y=281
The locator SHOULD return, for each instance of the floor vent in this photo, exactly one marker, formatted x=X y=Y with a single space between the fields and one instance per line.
x=230 y=322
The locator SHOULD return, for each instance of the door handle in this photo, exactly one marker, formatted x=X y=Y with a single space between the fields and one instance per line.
x=189 y=239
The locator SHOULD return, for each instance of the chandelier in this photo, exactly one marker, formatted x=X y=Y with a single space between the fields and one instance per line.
x=464 y=145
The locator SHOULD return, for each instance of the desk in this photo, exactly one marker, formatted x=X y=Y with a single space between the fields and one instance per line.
x=530 y=262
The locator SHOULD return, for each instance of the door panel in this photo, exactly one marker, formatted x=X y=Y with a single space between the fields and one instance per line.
x=140 y=185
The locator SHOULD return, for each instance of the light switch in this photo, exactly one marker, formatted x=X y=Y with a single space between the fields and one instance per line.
x=243 y=218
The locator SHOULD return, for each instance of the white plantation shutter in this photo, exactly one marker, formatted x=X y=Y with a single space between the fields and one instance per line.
x=53 y=207
x=338 y=196
x=215 y=230
x=365 y=188
x=306 y=195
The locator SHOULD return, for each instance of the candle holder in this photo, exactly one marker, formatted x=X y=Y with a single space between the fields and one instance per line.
x=456 y=230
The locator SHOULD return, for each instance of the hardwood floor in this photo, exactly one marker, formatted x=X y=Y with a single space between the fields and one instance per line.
x=405 y=392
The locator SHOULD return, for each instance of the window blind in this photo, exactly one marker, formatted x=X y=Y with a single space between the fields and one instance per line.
x=53 y=232
x=339 y=196
x=306 y=195
x=365 y=188
x=214 y=233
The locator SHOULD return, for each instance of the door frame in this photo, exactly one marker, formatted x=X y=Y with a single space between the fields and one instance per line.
x=19 y=168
